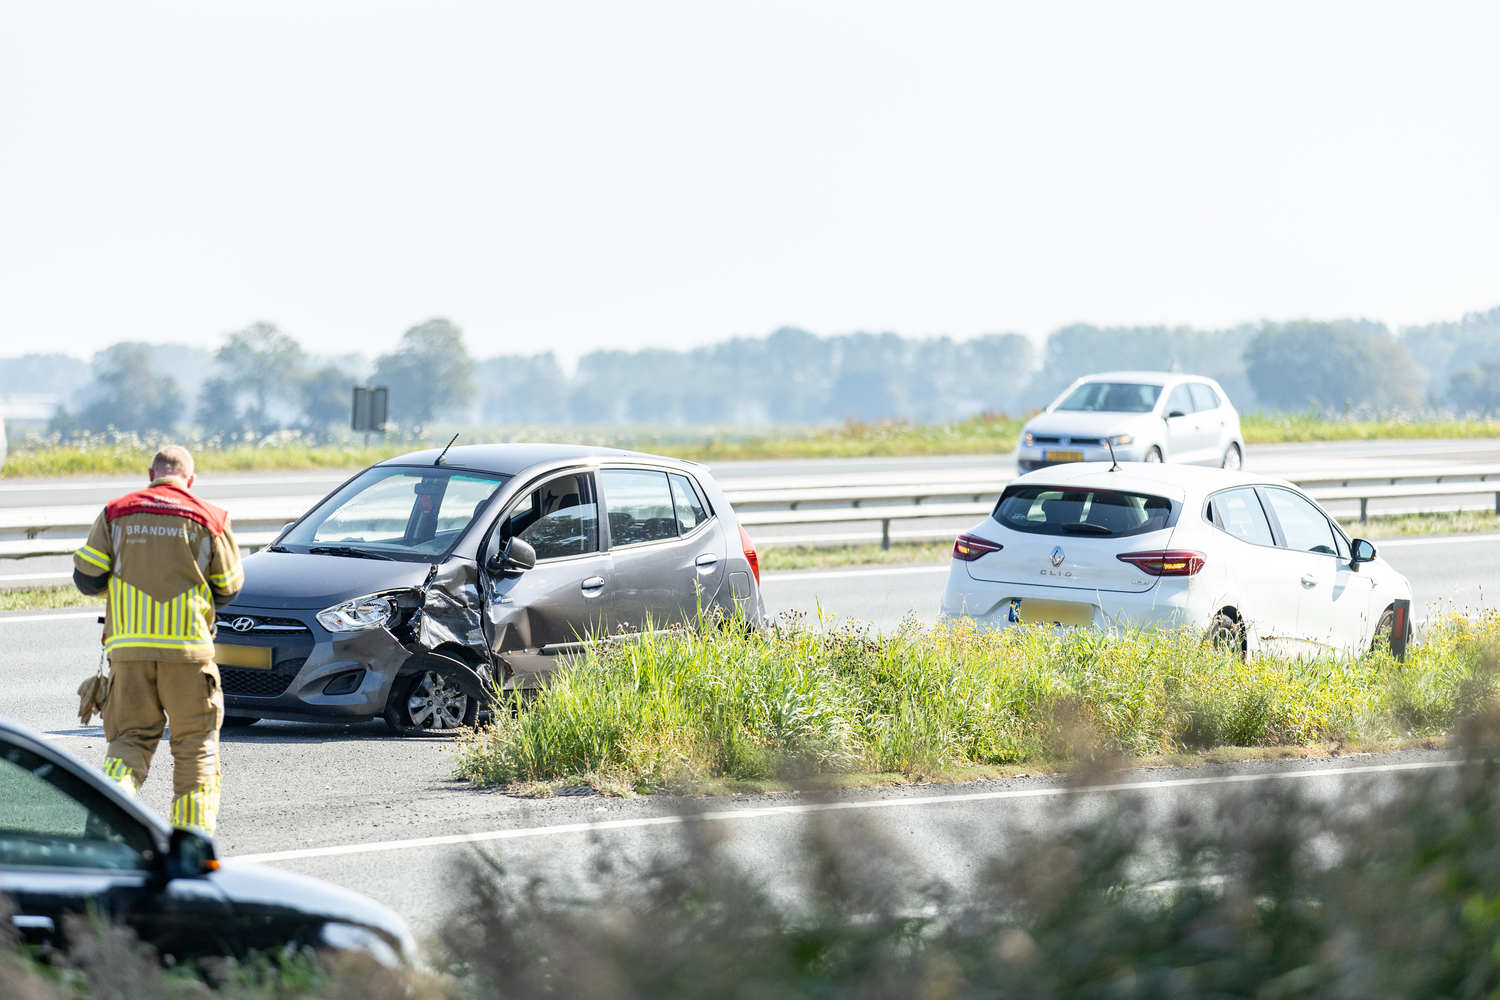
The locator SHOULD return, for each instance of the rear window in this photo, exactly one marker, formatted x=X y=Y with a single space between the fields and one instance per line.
x=1056 y=510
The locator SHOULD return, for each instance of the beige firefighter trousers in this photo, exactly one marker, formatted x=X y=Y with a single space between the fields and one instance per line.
x=143 y=696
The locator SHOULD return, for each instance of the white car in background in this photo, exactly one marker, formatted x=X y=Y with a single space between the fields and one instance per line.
x=1249 y=561
x=1145 y=416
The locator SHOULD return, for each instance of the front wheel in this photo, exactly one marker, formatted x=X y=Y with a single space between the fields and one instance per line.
x=1232 y=458
x=1153 y=454
x=428 y=704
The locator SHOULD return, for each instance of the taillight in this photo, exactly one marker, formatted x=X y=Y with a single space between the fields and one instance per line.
x=1172 y=562
x=750 y=556
x=970 y=547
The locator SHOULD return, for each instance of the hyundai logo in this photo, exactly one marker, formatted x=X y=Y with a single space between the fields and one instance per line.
x=1057 y=559
x=246 y=624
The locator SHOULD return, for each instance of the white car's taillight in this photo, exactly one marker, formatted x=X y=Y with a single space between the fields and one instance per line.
x=1168 y=562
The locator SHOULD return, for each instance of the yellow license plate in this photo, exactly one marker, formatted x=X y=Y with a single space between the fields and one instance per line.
x=254 y=657
x=1063 y=456
x=1033 y=611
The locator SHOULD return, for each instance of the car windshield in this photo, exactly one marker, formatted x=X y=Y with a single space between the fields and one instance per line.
x=1112 y=397
x=1058 y=510
x=395 y=512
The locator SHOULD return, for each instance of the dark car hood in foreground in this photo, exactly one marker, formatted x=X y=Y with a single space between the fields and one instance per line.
x=293 y=580
x=251 y=887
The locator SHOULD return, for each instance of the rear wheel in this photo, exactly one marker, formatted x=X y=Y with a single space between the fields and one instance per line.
x=1232 y=458
x=1227 y=634
x=428 y=704
x=1153 y=454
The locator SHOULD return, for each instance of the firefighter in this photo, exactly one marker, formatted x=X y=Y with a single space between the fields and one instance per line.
x=168 y=560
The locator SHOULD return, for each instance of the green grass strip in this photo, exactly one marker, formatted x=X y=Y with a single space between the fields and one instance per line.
x=672 y=709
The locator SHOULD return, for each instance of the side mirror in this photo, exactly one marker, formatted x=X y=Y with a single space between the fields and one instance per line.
x=1176 y=413
x=1361 y=551
x=191 y=855
x=517 y=556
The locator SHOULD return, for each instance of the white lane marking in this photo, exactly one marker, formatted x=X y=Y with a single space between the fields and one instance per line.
x=816 y=807
x=52 y=618
x=36 y=576
x=1386 y=543
x=834 y=575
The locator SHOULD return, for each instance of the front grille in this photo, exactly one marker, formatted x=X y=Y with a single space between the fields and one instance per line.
x=265 y=625
x=255 y=683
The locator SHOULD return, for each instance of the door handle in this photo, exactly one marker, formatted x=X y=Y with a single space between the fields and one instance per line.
x=594 y=583
x=1308 y=580
x=706 y=559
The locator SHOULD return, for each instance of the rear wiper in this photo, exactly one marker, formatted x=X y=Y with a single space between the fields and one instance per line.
x=344 y=550
x=1086 y=529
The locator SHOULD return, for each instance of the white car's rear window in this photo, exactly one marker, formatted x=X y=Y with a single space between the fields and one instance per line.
x=1058 y=510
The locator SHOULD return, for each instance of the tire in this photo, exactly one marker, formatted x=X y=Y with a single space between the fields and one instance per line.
x=238 y=722
x=1153 y=454
x=427 y=704
x=1227 y=634
x=1233 y=460
x=1383 y=630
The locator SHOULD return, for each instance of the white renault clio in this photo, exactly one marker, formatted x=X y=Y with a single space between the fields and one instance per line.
x=1247 y=560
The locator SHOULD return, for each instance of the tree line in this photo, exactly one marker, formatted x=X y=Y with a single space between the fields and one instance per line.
x=260 y=380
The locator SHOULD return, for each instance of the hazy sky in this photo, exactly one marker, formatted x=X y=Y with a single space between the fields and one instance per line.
x=568 y=176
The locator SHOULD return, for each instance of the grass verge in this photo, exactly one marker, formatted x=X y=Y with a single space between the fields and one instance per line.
x=824 y=556
x=681 y=709
x=986 y=434
x=1440 y=523
x=45 y=598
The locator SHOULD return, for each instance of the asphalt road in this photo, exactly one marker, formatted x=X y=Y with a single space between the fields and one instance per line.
x=339 y=789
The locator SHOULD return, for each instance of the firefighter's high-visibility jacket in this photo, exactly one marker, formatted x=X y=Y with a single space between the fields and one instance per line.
x=169 y=559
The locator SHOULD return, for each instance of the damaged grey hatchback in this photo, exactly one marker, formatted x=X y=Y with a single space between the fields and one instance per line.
x=409 y=589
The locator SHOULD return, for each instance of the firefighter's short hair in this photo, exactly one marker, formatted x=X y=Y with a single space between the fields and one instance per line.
x=172 y=460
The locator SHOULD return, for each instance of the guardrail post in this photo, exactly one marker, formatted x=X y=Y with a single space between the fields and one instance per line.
x=1364 y=508
x=1497 y=504
x=885 y=534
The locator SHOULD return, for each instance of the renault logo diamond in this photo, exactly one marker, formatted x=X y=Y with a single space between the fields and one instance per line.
x=1064 y=441
x=1057 y=560
x=246 y=624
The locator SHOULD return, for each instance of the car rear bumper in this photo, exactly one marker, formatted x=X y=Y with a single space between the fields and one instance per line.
x=1170 y=603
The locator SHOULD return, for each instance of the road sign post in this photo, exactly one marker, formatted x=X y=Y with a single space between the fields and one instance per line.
x=369 y=410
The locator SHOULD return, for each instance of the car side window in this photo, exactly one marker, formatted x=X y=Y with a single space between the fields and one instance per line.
x=1204 y=398
x=51 y=818
x=559 y=518
x=690 y=507
x=1239 y=513
x=640 y=506
x=1305 y=526
x=1180 y=400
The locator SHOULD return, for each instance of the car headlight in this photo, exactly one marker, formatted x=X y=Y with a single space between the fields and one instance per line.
x=1120 y=439
x=359 y=614
x=1027 y=439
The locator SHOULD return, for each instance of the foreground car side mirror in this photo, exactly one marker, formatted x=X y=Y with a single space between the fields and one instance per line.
x=517 y=556
x=1360 y=551
x=1176 y=413
x=191 y=855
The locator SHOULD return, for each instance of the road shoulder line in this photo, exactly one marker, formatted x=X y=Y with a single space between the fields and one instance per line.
x=597 y=826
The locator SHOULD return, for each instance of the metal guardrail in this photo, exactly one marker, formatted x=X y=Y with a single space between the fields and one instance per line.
x=59 y=530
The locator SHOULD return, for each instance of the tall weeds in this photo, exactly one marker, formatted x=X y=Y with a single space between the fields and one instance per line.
x=675 y=707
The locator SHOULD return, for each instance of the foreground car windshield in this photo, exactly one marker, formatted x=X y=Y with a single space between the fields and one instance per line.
x=396 y=513
x=1112 y=397
x=1054 y=510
